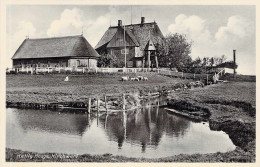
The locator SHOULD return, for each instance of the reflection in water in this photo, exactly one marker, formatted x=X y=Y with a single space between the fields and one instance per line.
x=144 y=126
x=53 y=122
x=147 y=132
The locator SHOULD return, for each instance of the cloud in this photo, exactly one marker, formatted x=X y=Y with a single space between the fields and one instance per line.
x=193 y=26
x=195 y=29
x=24 y=28
x=15 y=40
x=237 y=34
x=236 y=27
x=70 y=22
x=95 y=29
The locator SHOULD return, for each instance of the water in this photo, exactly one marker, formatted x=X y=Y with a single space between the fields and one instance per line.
x=149 y=132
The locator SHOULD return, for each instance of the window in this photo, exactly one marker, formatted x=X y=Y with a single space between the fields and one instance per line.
x=124 y=51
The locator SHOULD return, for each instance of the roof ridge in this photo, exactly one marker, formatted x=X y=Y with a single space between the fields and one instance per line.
x=128 y=25
x=55 y=37
x=72 y=46
x=139 y=31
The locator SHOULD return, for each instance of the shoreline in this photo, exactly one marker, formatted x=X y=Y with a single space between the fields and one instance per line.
x=238 y=123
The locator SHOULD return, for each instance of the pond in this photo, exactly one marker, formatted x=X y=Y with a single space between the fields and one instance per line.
x=149 y=132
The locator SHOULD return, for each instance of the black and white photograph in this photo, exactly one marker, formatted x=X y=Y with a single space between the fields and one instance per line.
x=129 y=83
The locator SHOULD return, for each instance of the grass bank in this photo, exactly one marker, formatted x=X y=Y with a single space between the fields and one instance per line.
x=231 y=106
x=13 y=155
x=53 y=89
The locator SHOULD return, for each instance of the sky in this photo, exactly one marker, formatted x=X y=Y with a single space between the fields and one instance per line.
x=214 y=30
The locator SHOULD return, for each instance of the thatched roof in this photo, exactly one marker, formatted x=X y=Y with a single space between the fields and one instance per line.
x=70 y=46
x=140 y=32
x=130 y=38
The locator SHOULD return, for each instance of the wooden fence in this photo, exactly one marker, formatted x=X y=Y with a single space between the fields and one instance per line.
x=174 y=74
x=105 y=100
x=165 y=72
x=79 y=69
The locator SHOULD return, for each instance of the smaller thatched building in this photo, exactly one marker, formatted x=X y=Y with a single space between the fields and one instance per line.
x=70 y=51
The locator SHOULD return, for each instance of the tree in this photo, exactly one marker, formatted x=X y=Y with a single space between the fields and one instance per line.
x=107 y=60
x=216 y=61
x=103 y=61
x=197 y=62
x=211 y=61
x=174 y=52
x=205 y=61
x=223 y=58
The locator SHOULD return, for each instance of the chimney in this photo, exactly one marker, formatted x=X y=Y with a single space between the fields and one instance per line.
x=142 y=20
x=119 y=23
x=234 y=60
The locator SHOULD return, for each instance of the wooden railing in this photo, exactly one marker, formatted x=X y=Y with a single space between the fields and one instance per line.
x=185 y=75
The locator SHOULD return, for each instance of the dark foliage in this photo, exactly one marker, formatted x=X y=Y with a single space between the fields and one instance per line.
x=107 y=60
x=175 y=52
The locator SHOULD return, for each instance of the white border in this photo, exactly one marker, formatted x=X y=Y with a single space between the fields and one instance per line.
x=3 y=4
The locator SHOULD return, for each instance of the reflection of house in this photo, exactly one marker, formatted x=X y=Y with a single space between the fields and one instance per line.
x=135 y=42
x=70 y=51
x=145 y=126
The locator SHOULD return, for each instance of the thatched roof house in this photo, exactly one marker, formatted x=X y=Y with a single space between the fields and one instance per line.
x=134 y=37
x=69 y=51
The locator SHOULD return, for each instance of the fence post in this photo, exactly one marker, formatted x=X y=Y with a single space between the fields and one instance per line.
x=123 y=101
x=89 y=105
x=181 y=74
x=207 y=79
x=97 y=112
x=97 y=104
x=106 y=102
x=194 y=75
x=27 y=69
